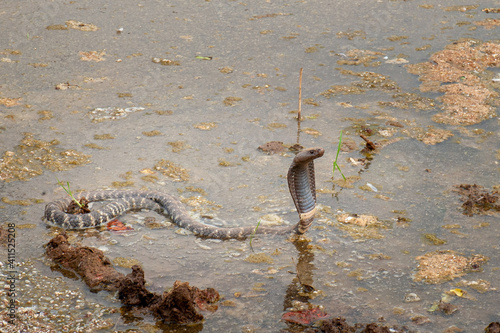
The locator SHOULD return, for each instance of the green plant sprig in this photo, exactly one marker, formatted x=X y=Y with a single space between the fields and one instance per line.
x=68 y=190
x=335 y=165
x=253 y=234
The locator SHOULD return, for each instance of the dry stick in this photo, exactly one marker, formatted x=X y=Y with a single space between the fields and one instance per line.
x=299 y=116
x=369 y=145
x=298 y=140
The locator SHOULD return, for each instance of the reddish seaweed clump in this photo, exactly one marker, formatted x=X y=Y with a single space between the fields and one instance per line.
x=179 y=305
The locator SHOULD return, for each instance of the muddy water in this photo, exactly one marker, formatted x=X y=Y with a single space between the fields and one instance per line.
x=202 y=86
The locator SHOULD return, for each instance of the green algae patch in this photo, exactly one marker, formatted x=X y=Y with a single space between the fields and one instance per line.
x=433 y=239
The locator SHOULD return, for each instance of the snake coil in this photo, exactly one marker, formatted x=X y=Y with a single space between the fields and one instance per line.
x=301 y=182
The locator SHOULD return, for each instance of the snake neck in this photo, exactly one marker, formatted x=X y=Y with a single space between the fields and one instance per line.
x=302 y=188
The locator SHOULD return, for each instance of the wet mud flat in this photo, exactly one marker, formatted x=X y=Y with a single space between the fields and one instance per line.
x=178 y=98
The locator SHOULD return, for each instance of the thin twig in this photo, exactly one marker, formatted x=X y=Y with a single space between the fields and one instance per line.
x=369 y=144
x=299 y=115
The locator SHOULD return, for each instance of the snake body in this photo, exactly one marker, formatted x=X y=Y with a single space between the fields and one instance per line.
x=301 y=182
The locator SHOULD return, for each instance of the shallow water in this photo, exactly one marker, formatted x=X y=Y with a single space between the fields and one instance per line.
x=256 y=51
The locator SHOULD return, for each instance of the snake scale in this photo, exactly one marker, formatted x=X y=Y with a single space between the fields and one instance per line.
x=301 y=183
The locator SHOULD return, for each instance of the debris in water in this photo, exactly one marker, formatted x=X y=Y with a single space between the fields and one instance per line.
x=171 y=170
x=179 y=305
x=304 y=317
x=31 y=157
x=488 y=23
x=72 y=24
x=360 y=57
x=441 y=266
x=457 y=72
x=166 y=62
x=476 y=200
x=116 y=225
x=410 y=100
x=370 y=146
x=112 y=113
x=431 y=136
x=66 y=85
x=361 y=226
x=272 y=147
x=9 y=102
x=257 y=258
x=312 y=131
x=446 y=308
x=433 y=239
x=205 y=126
x=96 y=56
x=231 y=100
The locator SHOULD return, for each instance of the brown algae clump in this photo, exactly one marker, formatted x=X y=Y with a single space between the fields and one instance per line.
x=372 y=80
x=72 y=24
x=257 y=258
x=231 y=101
x=204 y=126
x=152 y=133
x=477 y=200
x=429 y=136
x=361 y=57
x=441 y=266
x=361 y=226
x=32 y=156
x=172 y=170
x=410 y=100
x=178 y=146
x=342 y=90
x=457 y=71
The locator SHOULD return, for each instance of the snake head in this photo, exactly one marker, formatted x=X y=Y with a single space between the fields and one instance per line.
x=307 y=155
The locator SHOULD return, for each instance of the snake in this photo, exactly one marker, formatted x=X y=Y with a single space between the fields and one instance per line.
x=301 y=183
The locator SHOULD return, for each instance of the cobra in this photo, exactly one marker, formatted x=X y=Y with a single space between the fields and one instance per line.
x=301 y=183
